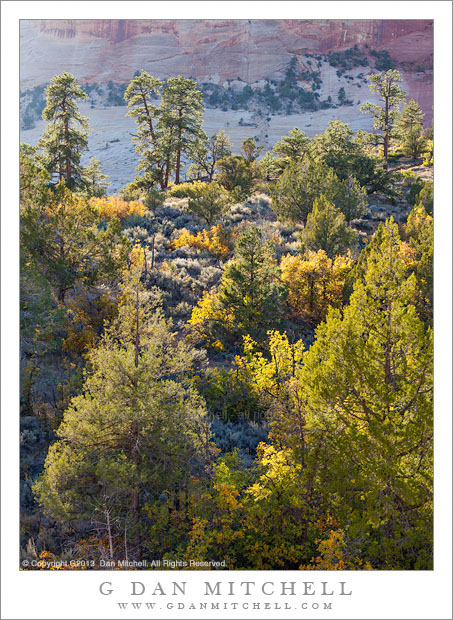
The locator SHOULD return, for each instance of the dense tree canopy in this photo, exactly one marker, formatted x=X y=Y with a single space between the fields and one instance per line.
x=236 y=367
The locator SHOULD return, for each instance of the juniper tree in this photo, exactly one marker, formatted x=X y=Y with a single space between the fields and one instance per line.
x=327 y=230
x=368 y=386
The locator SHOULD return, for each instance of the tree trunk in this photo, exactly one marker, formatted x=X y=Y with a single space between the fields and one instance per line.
x=386 y=133
x=109 y=533
x=137 y=328
x=178 y=155
x=152 y=253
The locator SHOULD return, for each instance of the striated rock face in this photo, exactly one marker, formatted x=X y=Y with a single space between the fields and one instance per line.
x=99 y=50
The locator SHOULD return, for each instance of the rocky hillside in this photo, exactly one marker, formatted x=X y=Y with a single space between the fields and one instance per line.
x=259 y=78
x=100 y=50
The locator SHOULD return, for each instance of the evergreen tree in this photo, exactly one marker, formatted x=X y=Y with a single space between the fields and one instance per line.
x=269 y=166
x=368 y=386
x=300 y=184
x=411 y=129
x=209 y=203
x=250 y=289
x=426 y=197
x=327 y=230
x=293 y=147
x=137 y=430
x=206 y=155
x=167 y=132
x=236 y=176
x=180 y=120
x=60 y=236
x=140 y=96
x=66 y=136
x=418 y=231
x=387 y=87
x=94 y=180
x=251 y=150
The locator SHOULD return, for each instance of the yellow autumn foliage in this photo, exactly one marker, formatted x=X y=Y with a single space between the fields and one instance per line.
x=332 y=555
x=114 y=206
x=205 y=314
x=315 y=282
x=214 y=240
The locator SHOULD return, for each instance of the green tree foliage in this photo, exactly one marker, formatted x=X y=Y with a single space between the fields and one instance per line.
x=60 y=235
x=140 y=96
x=411 y=129
x=94 y=180
x=250 y=287
x=300 y=184
x=251 y=150
x=210 y=202
x=236 y=176
x=386 y=86
x=269 y=166
x=136 y=430
x=348 y=157
x=292 y=147
x=326 y=229
x=426 y=197
x=66 y=136
x=181 y=116
x=368 y=381
x=418 y=232
x=249 y=297
x=167 y=132
x=206 y=155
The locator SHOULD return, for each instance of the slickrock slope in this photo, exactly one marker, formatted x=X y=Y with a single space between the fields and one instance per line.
x=217 y=51
x=99 y=50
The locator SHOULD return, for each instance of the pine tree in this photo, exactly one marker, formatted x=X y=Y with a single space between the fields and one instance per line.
x=180 y=120
x=250 y=149
x=137 y=429
x=250 y=287
x=94 y=180
x=206 y=155
x=386 y=86
x=411 y=129
x=66 y=136
x=293 y=147
x=140 y=95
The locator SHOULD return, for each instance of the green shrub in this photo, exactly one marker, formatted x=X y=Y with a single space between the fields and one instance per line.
x=186 y=190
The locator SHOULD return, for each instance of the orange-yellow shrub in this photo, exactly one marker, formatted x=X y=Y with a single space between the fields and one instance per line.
x=111 y=206
x=315 y=282
x=214 y=240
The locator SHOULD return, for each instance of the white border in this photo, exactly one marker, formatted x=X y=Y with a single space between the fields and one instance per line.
x=375 y=595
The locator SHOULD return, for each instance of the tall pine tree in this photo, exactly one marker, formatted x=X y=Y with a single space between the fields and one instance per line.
x=66 y=136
